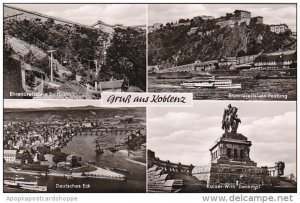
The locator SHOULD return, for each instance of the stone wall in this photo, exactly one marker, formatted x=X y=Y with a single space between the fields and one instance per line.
x=233 y=174
x=218 y=175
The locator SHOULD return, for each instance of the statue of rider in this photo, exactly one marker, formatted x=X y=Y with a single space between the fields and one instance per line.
x=235 y=120
x=230 y=119
x=226 y=117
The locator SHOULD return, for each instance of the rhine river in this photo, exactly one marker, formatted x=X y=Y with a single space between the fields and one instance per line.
x=274 y=89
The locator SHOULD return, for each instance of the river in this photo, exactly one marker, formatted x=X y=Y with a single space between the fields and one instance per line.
x=274 y=89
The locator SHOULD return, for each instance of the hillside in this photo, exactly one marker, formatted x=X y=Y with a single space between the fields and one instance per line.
x=175 y=46
x=77 y=49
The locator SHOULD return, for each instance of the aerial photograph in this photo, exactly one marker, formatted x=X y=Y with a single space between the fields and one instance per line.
x=76 y=146
x=73 y=51
x=223 y=51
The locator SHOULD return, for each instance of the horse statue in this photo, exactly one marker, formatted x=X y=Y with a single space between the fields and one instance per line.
x=226 y=121
x=230 y=119
x=235 y=120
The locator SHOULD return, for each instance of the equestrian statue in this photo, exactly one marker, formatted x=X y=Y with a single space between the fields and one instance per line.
x=230 y=120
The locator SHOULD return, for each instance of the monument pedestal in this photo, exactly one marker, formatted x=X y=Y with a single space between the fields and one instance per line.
x=231 y=166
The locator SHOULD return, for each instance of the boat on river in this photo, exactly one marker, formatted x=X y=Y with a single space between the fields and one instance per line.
x=210 y=82
x=98 y=150
x=25 y=185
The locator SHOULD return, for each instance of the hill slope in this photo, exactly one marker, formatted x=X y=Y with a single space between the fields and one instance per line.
x=77 y=49
x=174 y=45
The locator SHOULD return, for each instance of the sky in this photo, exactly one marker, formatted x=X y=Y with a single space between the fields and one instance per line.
x=135 y=14
x=186 y=134
x=272 y=13
x=88 y=14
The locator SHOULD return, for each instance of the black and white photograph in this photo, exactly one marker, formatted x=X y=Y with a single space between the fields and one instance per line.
x=74 y=146
x=223 y=147
x=223 y=51
x=149 y=97
x=73 y=51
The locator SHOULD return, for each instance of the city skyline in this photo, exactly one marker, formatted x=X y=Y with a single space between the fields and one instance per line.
x=272 y=13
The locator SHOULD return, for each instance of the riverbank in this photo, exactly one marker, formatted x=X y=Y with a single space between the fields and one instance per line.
x=99 y=173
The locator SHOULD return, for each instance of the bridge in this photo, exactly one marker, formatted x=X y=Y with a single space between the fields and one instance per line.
x=103 y=131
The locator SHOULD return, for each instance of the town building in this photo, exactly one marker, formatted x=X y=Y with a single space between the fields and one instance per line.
x=246 y=59
x=181 y=24
x=280 y=28
x=236 y=18
x=240 y=14
x=78 y=78
x=228 y=61
x=257 y=20
x=203 y=17
x=206 y=65
x=273 y=62
x=192 y=31
x=10 y=156
x=111 y=86
x=154 y=27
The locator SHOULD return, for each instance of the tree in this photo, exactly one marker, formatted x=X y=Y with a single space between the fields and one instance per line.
x=168 y=26
x=293 y=65
x=241 y=53
x=44 y=149
x=26 y=157
x=41 y=157
x=181 y=20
